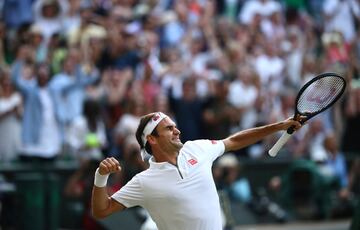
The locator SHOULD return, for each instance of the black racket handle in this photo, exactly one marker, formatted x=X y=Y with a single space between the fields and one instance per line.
x=291 y=130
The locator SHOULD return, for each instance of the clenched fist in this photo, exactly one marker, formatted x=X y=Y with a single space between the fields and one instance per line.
x=109 y=165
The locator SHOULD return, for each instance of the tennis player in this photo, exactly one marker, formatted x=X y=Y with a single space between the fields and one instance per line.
x=177 y=189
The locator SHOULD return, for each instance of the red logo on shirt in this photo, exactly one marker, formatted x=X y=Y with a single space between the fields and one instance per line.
x=192 y=161
x=213 y=142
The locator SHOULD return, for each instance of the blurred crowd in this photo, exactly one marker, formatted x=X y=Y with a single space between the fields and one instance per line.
x=76 y=75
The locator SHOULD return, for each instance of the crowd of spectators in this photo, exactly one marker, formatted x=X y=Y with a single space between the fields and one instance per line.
x=76 y=75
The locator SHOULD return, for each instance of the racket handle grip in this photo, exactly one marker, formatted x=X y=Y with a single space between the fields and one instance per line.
x=279 y=144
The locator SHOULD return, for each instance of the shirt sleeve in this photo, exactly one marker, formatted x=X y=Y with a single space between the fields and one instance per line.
x=211 y=148
x=131 y=194
x=342 y=171
x=330 y=6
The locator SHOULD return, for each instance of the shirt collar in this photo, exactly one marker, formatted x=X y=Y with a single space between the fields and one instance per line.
x=161 y=165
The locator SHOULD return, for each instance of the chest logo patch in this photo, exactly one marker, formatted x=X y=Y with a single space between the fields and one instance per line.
x=192 y=161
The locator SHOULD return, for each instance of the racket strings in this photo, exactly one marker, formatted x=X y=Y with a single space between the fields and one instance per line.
x=320 y=94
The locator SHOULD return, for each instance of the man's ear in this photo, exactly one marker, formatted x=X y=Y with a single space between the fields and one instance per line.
x=151 y=139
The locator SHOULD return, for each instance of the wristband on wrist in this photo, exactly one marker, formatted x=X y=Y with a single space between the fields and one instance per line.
x=100 y=180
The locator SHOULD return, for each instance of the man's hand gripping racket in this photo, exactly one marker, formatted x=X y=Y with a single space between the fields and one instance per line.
x=314 y=97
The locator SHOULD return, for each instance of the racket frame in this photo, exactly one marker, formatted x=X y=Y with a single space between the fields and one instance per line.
x=286 y=135
x=304 y=87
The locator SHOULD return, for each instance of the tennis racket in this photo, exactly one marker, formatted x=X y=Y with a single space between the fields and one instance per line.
x=314 y=97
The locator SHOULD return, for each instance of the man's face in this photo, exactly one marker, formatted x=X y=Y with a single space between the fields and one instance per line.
x=43 y=75
x=169 y=135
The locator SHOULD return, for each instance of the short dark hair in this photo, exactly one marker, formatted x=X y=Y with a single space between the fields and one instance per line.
x=140 y=129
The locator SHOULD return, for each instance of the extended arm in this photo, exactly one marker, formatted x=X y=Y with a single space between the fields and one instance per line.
x=85 y=78
x=17 y=78
x=102 y=204
x=250 y=136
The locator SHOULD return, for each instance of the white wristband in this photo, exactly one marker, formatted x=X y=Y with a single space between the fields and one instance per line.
x=100 y=180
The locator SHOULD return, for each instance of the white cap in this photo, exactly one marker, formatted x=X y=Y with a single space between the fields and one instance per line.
x=228 y=160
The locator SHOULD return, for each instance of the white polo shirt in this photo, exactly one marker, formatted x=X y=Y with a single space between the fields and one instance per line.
x=179 y=197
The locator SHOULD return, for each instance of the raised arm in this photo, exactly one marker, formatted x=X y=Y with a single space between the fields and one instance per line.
x=102 y=204
x=250 y=136
x=17 y=77
x=86 y=77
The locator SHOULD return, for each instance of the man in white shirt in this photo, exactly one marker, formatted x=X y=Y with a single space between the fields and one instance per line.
x=177 y=189
x=340 y=15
